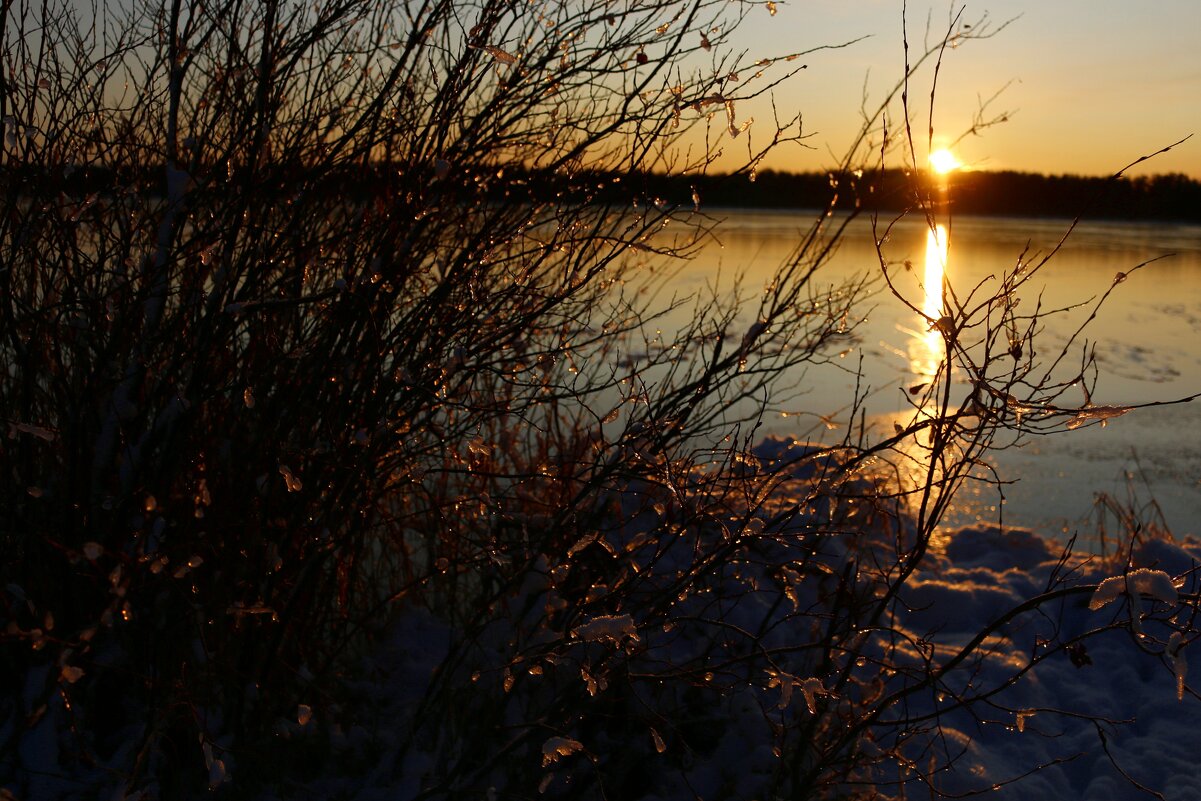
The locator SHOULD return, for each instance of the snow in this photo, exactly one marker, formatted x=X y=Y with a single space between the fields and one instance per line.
x=1126 y=681
x=1069 y=726
x=1155 y=583
x=1029 y=740
x=556 y=748
x=607 y=627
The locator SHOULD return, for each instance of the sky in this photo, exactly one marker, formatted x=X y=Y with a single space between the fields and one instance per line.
x=1090 y=85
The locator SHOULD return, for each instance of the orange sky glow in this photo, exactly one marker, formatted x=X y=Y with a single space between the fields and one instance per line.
x=1088 y=85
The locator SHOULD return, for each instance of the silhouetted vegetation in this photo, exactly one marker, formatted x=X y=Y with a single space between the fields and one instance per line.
x=1171 y=197
x=328 y=332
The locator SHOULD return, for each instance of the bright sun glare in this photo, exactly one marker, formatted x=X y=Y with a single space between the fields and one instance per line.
x=943 y=161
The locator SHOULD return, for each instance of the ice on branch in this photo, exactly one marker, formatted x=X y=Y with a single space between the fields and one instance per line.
x=557 y=747
x=810 y=688
x=1155 y=583
x=607 y=627
x=1177 y=661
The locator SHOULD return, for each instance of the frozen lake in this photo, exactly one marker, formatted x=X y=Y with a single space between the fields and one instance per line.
x=1147 y=338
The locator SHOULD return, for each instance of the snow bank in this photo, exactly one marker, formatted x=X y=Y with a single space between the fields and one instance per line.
x=1003 y=665
x=1069 y=727
x=1068 y=696
x=1123 y=675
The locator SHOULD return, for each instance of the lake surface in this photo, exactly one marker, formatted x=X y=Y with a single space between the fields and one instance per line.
x=1147 y=338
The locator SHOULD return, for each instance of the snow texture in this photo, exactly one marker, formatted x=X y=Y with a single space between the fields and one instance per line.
x=607 y=627
x=1155 y=583
x=725 y=744
x=556 y=748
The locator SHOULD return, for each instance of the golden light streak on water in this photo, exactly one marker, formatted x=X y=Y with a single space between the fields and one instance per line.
x=926 y=352
x=936 y=267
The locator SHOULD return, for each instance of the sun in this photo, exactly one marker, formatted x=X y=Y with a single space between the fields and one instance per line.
x=943 y=161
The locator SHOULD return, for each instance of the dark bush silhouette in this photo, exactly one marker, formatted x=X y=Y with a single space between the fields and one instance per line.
x=330 y=320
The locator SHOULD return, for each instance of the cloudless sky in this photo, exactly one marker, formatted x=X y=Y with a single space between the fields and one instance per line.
x=1092 y=84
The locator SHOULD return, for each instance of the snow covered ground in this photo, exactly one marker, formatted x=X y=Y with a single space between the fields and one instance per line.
x=1005 y=666
x=1075 y=698
x=1087 y=714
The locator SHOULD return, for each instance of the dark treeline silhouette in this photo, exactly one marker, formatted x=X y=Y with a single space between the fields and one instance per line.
x=1168 y=197
x=1162 y=197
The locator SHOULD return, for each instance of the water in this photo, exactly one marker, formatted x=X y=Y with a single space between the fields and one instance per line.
x=1147 y=339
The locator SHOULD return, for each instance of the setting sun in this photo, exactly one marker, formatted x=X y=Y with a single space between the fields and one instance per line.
x=943 y=161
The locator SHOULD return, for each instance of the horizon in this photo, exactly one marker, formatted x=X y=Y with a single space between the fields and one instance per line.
x=1128 y=175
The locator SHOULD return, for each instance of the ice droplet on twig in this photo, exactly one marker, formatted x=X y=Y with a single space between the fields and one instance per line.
x=1093 y=413
x=607 y=627
x=294 y=483
x=1178 y=661
x=557 y=747
x=811 y=687
x=501 y=55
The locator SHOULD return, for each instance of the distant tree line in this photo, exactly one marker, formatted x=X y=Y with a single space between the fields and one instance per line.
x=1168 y=197
x=1161 y=197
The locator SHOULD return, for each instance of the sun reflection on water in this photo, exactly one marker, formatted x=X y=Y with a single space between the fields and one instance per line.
x=926 y=352
x=926 y=349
